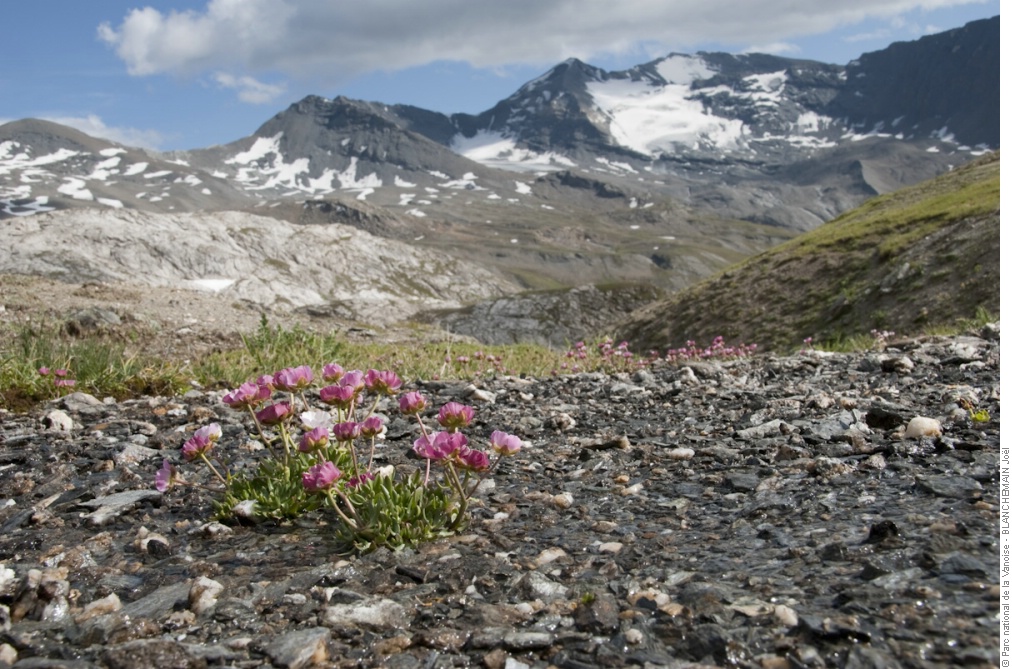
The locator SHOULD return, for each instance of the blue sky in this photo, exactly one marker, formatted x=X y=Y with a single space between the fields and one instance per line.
x=189 y=74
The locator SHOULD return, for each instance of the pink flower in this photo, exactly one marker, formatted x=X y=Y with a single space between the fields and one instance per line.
x=201 y=441
x=347 y=431
x=439 y=446
x=320 y=477
x=276 y=413
x=472 y=459
x=164 y=477
x=373 y=427
x=355 y=379
x=211 y=432
x=332 y=372
x=60 y=372
x=341 y=396
x=247 y=395
x=44 y=371
x=505 y=444
x=314 y=440
x=411 y=403
x=454 y=416
x=356 y=481
x=382 y=383
x=266 y=380
x=293 y=378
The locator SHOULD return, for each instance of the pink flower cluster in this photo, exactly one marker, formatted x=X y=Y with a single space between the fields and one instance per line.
x=60 y=379
x=611 y=357
x=717 y=349
x=329 y=436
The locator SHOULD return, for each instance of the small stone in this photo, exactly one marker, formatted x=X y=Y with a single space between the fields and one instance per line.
x=534 y=585
x=204 y=594
x=374 y=611
x=634 y=489
x=610 y=547
x=99 y=607
x=563 y=500
x=445 y=640
x=81 y=402
x=58 y=420
x=561 y=422
x=681 y=453
x=393 y=645
x=921 y=426
x=150 y=543
x=113 y=505
x=527 y=640
x=495 y=659
x=134 y=453
x=479 y=395
x=215 y=529
x=786 y=615
x=549 y=555
x=300 y=648
x=901 y=365
x=8 y=654
x=633 y=636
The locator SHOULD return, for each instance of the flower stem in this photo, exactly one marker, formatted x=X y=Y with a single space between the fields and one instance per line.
x=260 y=430
x=425 y=435
x=285 y=439
x=347 y=502
x=455 y=481
x=213 y=469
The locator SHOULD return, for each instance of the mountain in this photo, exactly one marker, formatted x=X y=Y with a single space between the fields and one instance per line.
x=718 y=108
x=919 y=258
x=943 y=85
x=45 y=166
x=662 y=174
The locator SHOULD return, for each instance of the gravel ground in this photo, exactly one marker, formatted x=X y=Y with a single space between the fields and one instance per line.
x=768 y=512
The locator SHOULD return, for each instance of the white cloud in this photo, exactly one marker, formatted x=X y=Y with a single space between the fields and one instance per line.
x=340 y=40
x=250 y=89
x=94 y=126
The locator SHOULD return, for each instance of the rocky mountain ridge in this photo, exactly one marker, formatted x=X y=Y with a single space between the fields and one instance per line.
x=662 y=174
x=252 y=261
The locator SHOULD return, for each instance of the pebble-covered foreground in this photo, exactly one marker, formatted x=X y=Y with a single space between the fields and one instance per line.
x=817 y=510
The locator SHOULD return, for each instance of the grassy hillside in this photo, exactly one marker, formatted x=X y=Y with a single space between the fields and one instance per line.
x=913 y=261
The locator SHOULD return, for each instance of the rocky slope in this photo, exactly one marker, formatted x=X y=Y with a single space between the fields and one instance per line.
x=555 y=318
x=922 y=257
x=248 y=259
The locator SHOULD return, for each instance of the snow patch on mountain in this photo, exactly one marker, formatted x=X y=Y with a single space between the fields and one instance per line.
x=497 y=150
x=652 y=119
x=10 y=161
x=76 y=189
x=263 y=167
x=262 y=147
